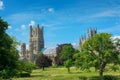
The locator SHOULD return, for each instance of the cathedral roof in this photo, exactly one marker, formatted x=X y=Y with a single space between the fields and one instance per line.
x=49 y=51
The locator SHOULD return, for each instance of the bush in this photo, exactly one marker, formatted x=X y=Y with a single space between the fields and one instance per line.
x=95 y=78
x=25 y=75
x=82 y=78
x=26 y=67
x=106 y=77
x=109 y=77
x=7 y=74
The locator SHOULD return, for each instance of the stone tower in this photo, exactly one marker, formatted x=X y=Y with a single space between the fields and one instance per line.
x=23 y=49
x=83 y=39
x=24 y=53
x=91 y=32
x=36 y=42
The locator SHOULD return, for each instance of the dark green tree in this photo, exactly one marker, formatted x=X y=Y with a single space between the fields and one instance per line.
x=43 y=61
x=101 y=51
x=8 y=52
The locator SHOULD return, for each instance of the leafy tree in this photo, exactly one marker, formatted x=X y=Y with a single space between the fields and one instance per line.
x=67 y=52
x=100 y=47
x=58 y=59
x=8 y=52
x=82 y=61
x=67 y=55
x=25 y=67
x=68 y=64
x=43 y=61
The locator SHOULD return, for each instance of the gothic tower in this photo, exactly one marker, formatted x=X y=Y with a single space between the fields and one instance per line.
x=23 y=49
x=36 y=42
x=91 y=32
x=83 y=39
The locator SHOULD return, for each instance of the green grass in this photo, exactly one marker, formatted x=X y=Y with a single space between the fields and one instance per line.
x=62 y=74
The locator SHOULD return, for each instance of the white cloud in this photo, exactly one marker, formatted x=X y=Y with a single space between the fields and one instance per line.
x=51 y=9
x=108 y=13
x=1 y=5
x=23 y=27
x=9 y=27
x=114 y=37
x=112 y=29
x=32 y=23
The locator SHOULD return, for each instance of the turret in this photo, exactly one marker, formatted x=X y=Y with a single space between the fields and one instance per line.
x=23 y=49
x=30 y=30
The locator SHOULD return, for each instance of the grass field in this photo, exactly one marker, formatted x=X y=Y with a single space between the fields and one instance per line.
x=62 y=74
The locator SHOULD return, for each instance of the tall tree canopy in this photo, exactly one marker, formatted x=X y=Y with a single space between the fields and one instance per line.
x=101 y=51
x=8 y=51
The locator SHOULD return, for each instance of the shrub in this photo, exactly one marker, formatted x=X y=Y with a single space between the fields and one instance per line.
x=7 y=74
x=82 y=78
x=25 y=75
x=109 y=77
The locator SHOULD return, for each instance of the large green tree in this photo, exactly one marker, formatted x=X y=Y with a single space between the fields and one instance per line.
x=8 y=52
x=67 y=55
x=101 y=51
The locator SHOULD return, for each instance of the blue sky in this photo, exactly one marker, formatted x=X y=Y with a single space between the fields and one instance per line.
x=64 y=21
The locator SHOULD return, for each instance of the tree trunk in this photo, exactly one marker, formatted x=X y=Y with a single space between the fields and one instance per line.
x=68 y=69
x=43 y=68
x=102 y=66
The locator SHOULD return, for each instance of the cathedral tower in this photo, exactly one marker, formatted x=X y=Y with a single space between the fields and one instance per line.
x=36 y=42
x=23 y=49
x=83 y=39
x=91 y=32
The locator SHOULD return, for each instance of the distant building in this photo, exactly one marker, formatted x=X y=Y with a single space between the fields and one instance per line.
x=36 y=44
x=83 y=39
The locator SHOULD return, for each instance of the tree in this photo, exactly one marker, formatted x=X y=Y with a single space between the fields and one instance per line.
x=8 y=52
x=68 y=64
x=100 y=47
x=67 y=55
x=25 y=67
x=43 y=61
x=58 y=59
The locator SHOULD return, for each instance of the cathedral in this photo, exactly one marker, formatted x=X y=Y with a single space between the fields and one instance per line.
x=90 y=33
x=36 y=44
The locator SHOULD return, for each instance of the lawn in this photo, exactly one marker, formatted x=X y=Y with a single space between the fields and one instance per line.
x=62 y=74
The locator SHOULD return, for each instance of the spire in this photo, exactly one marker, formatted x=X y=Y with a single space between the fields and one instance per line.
x=30 y=30
x=37 y=25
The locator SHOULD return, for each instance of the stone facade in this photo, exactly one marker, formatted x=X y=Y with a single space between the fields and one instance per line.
x=90 y=33
x=36 y=44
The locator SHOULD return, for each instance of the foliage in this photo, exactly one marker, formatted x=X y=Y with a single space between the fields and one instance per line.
x=100 y=50
x=5 y=74
x=67 y=55
x=114 y=67
x=67 y=52
x=24 y=74
x=25 y=67
x=84 y=61
x=43 y=61
x=8 y=52
x=68 y=64
x=3 y=26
